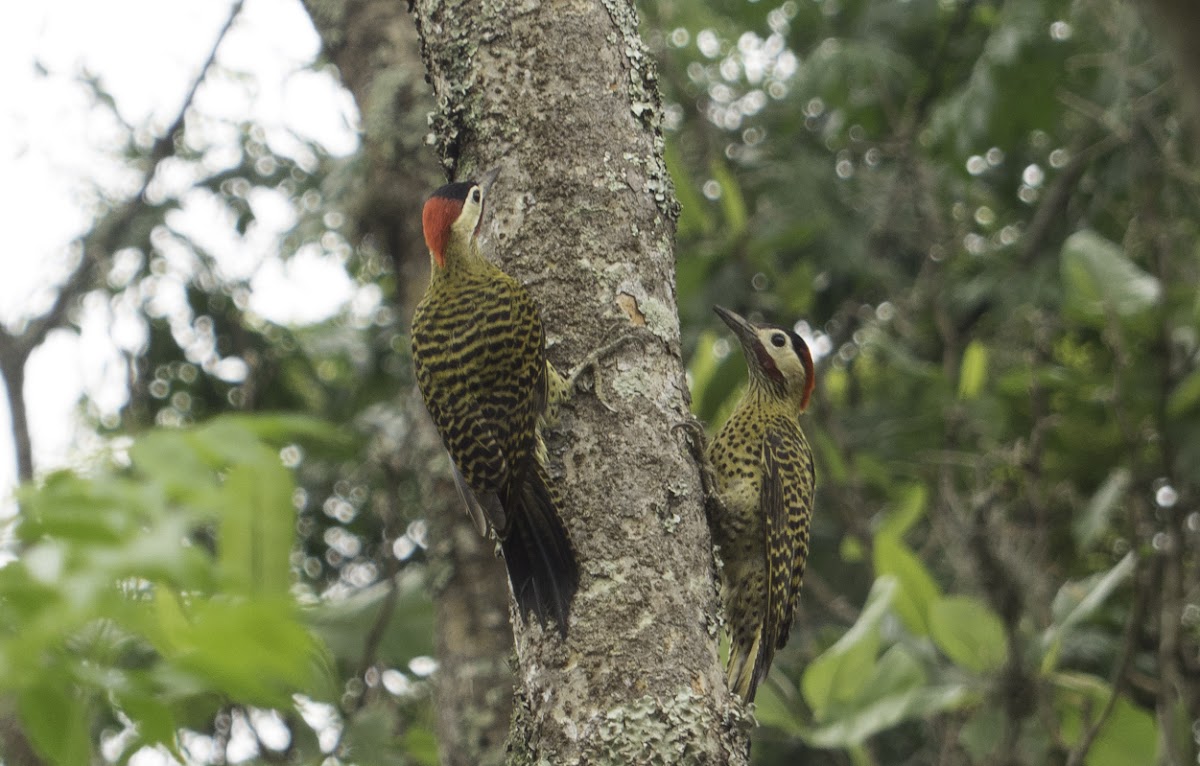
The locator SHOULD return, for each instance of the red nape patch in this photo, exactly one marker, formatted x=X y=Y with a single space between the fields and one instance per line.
x=439 y=214
x=810 y=378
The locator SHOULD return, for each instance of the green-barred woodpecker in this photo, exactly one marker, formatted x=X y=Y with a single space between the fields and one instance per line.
x=764 y=479
x=479 y=349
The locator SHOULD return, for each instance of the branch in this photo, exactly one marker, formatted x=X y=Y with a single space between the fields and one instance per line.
x=95 y=245
x=1054 y=203
x=15 y=348
x=104 y=237
x=937 y=67
x=13 y=356
x=1129 y=645
x=165 y=145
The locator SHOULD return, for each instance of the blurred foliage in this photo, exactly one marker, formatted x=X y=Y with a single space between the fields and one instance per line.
x=981 y=214
x=982 y=217
x=155 y=594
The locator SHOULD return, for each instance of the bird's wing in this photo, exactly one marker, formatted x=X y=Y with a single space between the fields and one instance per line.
x=786 y=505
x=481 y=468
x=511 y=385
x=481 y=517
x=773 y=506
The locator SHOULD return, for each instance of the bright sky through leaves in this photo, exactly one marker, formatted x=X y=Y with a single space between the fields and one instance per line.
x=60 y=156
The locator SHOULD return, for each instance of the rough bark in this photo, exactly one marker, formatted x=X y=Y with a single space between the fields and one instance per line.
x=14 y=745
x=374 y=45
x=563 y=98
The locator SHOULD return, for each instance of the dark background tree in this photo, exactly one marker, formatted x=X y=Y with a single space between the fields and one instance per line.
x=980 y=213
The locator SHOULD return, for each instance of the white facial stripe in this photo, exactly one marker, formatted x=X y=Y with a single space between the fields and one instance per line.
x=785 y=357
x=469 y=217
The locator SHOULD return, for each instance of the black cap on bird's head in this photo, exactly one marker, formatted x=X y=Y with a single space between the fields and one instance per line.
x=455 y=210
x=777 y=355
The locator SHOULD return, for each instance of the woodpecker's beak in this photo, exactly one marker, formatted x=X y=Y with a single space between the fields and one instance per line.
x=486 y=180
x=747 y=334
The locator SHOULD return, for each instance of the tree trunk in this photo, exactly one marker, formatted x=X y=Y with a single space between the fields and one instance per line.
x=374 y=45
x=1178 y=22
x=563 y=98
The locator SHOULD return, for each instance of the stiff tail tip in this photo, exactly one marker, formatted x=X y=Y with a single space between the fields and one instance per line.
x=541 y=563
x=743 y=673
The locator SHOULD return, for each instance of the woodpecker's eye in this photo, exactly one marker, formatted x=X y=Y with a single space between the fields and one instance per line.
x=778 y=340
x=475 y=196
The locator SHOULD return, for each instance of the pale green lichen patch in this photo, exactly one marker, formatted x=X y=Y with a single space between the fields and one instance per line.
x=635 y=382
x=660 y=317
x=645 y=104
x=653 y=731
x=670 y=522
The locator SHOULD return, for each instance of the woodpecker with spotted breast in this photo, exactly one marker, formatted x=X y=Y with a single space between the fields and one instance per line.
x=764 y=480
x=479 y=349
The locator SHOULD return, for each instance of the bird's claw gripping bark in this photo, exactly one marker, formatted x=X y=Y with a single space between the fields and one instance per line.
x=592 y=359
x=564 y=388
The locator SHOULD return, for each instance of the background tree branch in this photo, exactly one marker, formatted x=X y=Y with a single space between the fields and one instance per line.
x=374 y=45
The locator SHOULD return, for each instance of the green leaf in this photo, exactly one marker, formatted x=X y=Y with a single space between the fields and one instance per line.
x=969 y=633
x=56 y=721
x=407 y=634
x=908 y=512
x=917 y=590
x=887 y=711
x=851 y=550
x=1078 y=600
x=830 y=457
x=702 y=367
x=224 y=441
x=973 y=370
x=281 y=428
x=1092 y=524
x=421 y=746
x=275 y=655
x=835 y=386
x=835 y=677
x=153 y=719
x=171 y=626
x=733 y=204
x=691 y=205
x=980 y=736
x=772 y=710
x=1128 y=735
x=898 y=670
x=258 y=527
x=1100 y=280
x=1185 y=397
x=167 y=458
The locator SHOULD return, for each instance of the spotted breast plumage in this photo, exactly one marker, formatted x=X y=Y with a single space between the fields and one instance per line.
x=765 y=480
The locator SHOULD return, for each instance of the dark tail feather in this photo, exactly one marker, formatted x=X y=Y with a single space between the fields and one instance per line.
x=541 y=563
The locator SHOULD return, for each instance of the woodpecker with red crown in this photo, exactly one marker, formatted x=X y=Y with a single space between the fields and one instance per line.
x=479 y=349
x=764 y=481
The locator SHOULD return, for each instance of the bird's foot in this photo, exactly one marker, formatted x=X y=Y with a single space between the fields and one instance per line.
x=594 y=358
x=564 y=388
